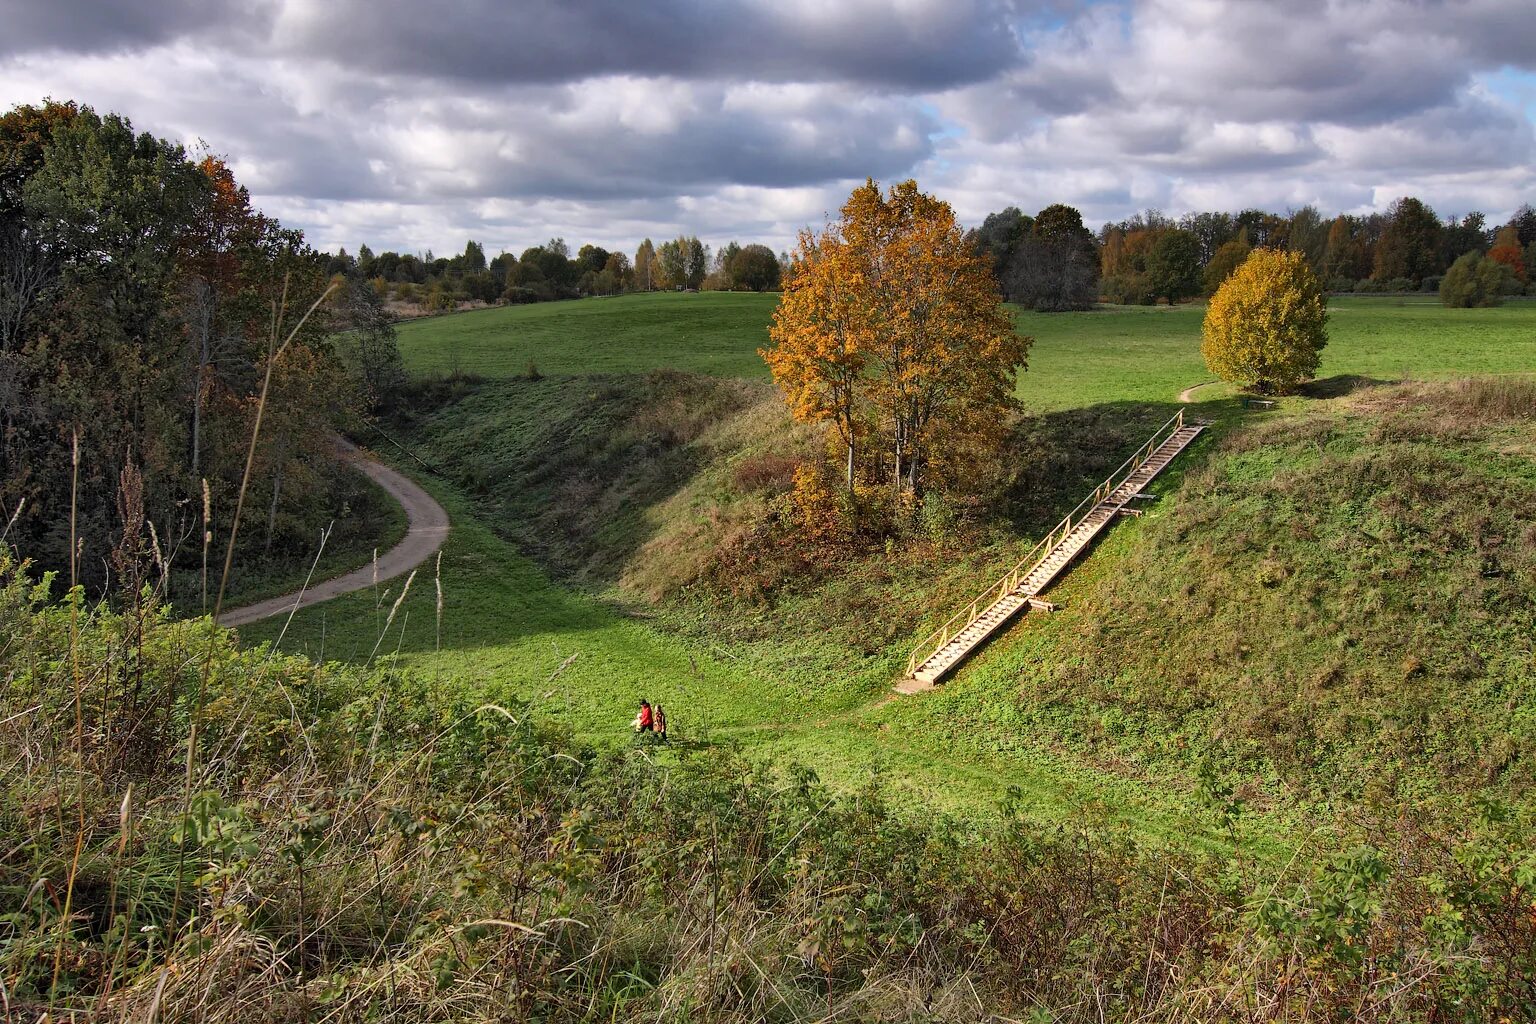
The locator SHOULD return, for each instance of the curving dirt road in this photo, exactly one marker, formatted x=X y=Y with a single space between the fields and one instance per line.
x=427 y=529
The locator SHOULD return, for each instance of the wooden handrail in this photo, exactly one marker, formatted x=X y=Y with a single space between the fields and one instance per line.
x=936 y=641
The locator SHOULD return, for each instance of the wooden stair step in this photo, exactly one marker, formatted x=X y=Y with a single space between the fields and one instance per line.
x=987 y=621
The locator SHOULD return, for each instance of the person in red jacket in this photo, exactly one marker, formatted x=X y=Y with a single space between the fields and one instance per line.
x=645 y=721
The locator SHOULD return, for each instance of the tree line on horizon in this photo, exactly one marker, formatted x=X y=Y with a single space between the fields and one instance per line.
x=547 y=272
x=1049 y=262
x=1053 y=262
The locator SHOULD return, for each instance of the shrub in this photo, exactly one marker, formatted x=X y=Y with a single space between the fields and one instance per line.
x=1265 y=325
x=769 y=471
x=1474 y=280
x=1128 y=289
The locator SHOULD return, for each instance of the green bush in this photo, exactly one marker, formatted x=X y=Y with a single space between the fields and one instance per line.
x=393 y=848
x=1474 y=280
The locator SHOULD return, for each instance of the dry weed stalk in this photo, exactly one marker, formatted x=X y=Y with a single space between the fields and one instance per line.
x=274 y=352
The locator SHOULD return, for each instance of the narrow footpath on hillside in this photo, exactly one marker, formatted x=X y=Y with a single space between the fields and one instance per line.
x=425 y=533
x=1188 y=394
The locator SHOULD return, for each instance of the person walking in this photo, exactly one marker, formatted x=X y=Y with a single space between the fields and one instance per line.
x=660 y=721
x=645 y=721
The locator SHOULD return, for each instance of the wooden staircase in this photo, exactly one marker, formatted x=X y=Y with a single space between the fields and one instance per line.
x=946 y=647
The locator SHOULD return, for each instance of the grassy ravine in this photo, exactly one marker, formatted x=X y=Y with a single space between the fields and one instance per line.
x=624 y=487
x=1157 y=673
x=364 y=845
x=1268 y=765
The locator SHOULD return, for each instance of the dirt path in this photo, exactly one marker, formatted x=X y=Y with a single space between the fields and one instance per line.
x=427 y=529
x=1188 y=394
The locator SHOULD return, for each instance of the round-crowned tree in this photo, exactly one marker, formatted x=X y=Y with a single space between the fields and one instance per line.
x=1264 y=328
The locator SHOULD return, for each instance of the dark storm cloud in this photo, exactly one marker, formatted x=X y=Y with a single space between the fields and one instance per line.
x=91 y=26
x=919 y=45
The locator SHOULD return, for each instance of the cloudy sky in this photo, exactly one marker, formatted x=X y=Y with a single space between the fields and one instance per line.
x=417 y=125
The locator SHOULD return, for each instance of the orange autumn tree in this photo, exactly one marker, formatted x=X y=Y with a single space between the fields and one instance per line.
x=1506 y=250
x=891 y=331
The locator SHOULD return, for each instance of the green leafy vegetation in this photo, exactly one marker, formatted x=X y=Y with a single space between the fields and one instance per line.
x=368 y=845
x=367 y=520
x=151 y=318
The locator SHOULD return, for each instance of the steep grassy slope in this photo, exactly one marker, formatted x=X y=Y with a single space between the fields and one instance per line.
x=1337 y=605
x=670 y=486
x=579 y=470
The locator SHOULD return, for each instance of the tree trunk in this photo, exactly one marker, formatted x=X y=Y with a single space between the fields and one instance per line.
x=277 y=487
x=203 y=314
x=197 y=420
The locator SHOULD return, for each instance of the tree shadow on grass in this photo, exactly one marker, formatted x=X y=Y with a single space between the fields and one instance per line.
x=1339 y=385
x=1059 y=458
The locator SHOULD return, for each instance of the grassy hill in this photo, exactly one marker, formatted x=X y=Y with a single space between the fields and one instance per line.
x=1246 y=625
x=1271 y=761
x=1113 y=353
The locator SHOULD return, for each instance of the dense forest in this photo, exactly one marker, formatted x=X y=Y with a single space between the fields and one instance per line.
x=145 y=306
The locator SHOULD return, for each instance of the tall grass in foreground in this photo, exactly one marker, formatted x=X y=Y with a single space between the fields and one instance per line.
x=364 y=847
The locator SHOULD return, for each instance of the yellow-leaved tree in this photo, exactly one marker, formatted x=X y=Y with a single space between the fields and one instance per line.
x=891 y=331
x=1265 y=326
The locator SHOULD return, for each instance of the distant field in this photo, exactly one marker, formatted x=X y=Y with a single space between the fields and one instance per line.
x=1115 y=353
x=717 y=333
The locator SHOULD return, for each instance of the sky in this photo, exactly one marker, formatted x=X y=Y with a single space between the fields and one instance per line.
x=415 y=126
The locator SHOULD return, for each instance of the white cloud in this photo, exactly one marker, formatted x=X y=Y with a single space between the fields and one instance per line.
x=606 y=122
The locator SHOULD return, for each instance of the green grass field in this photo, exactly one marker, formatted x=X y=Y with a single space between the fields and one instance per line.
x=708 y=332
x=1114 y=353
x=509 y=631
x=772 y=680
